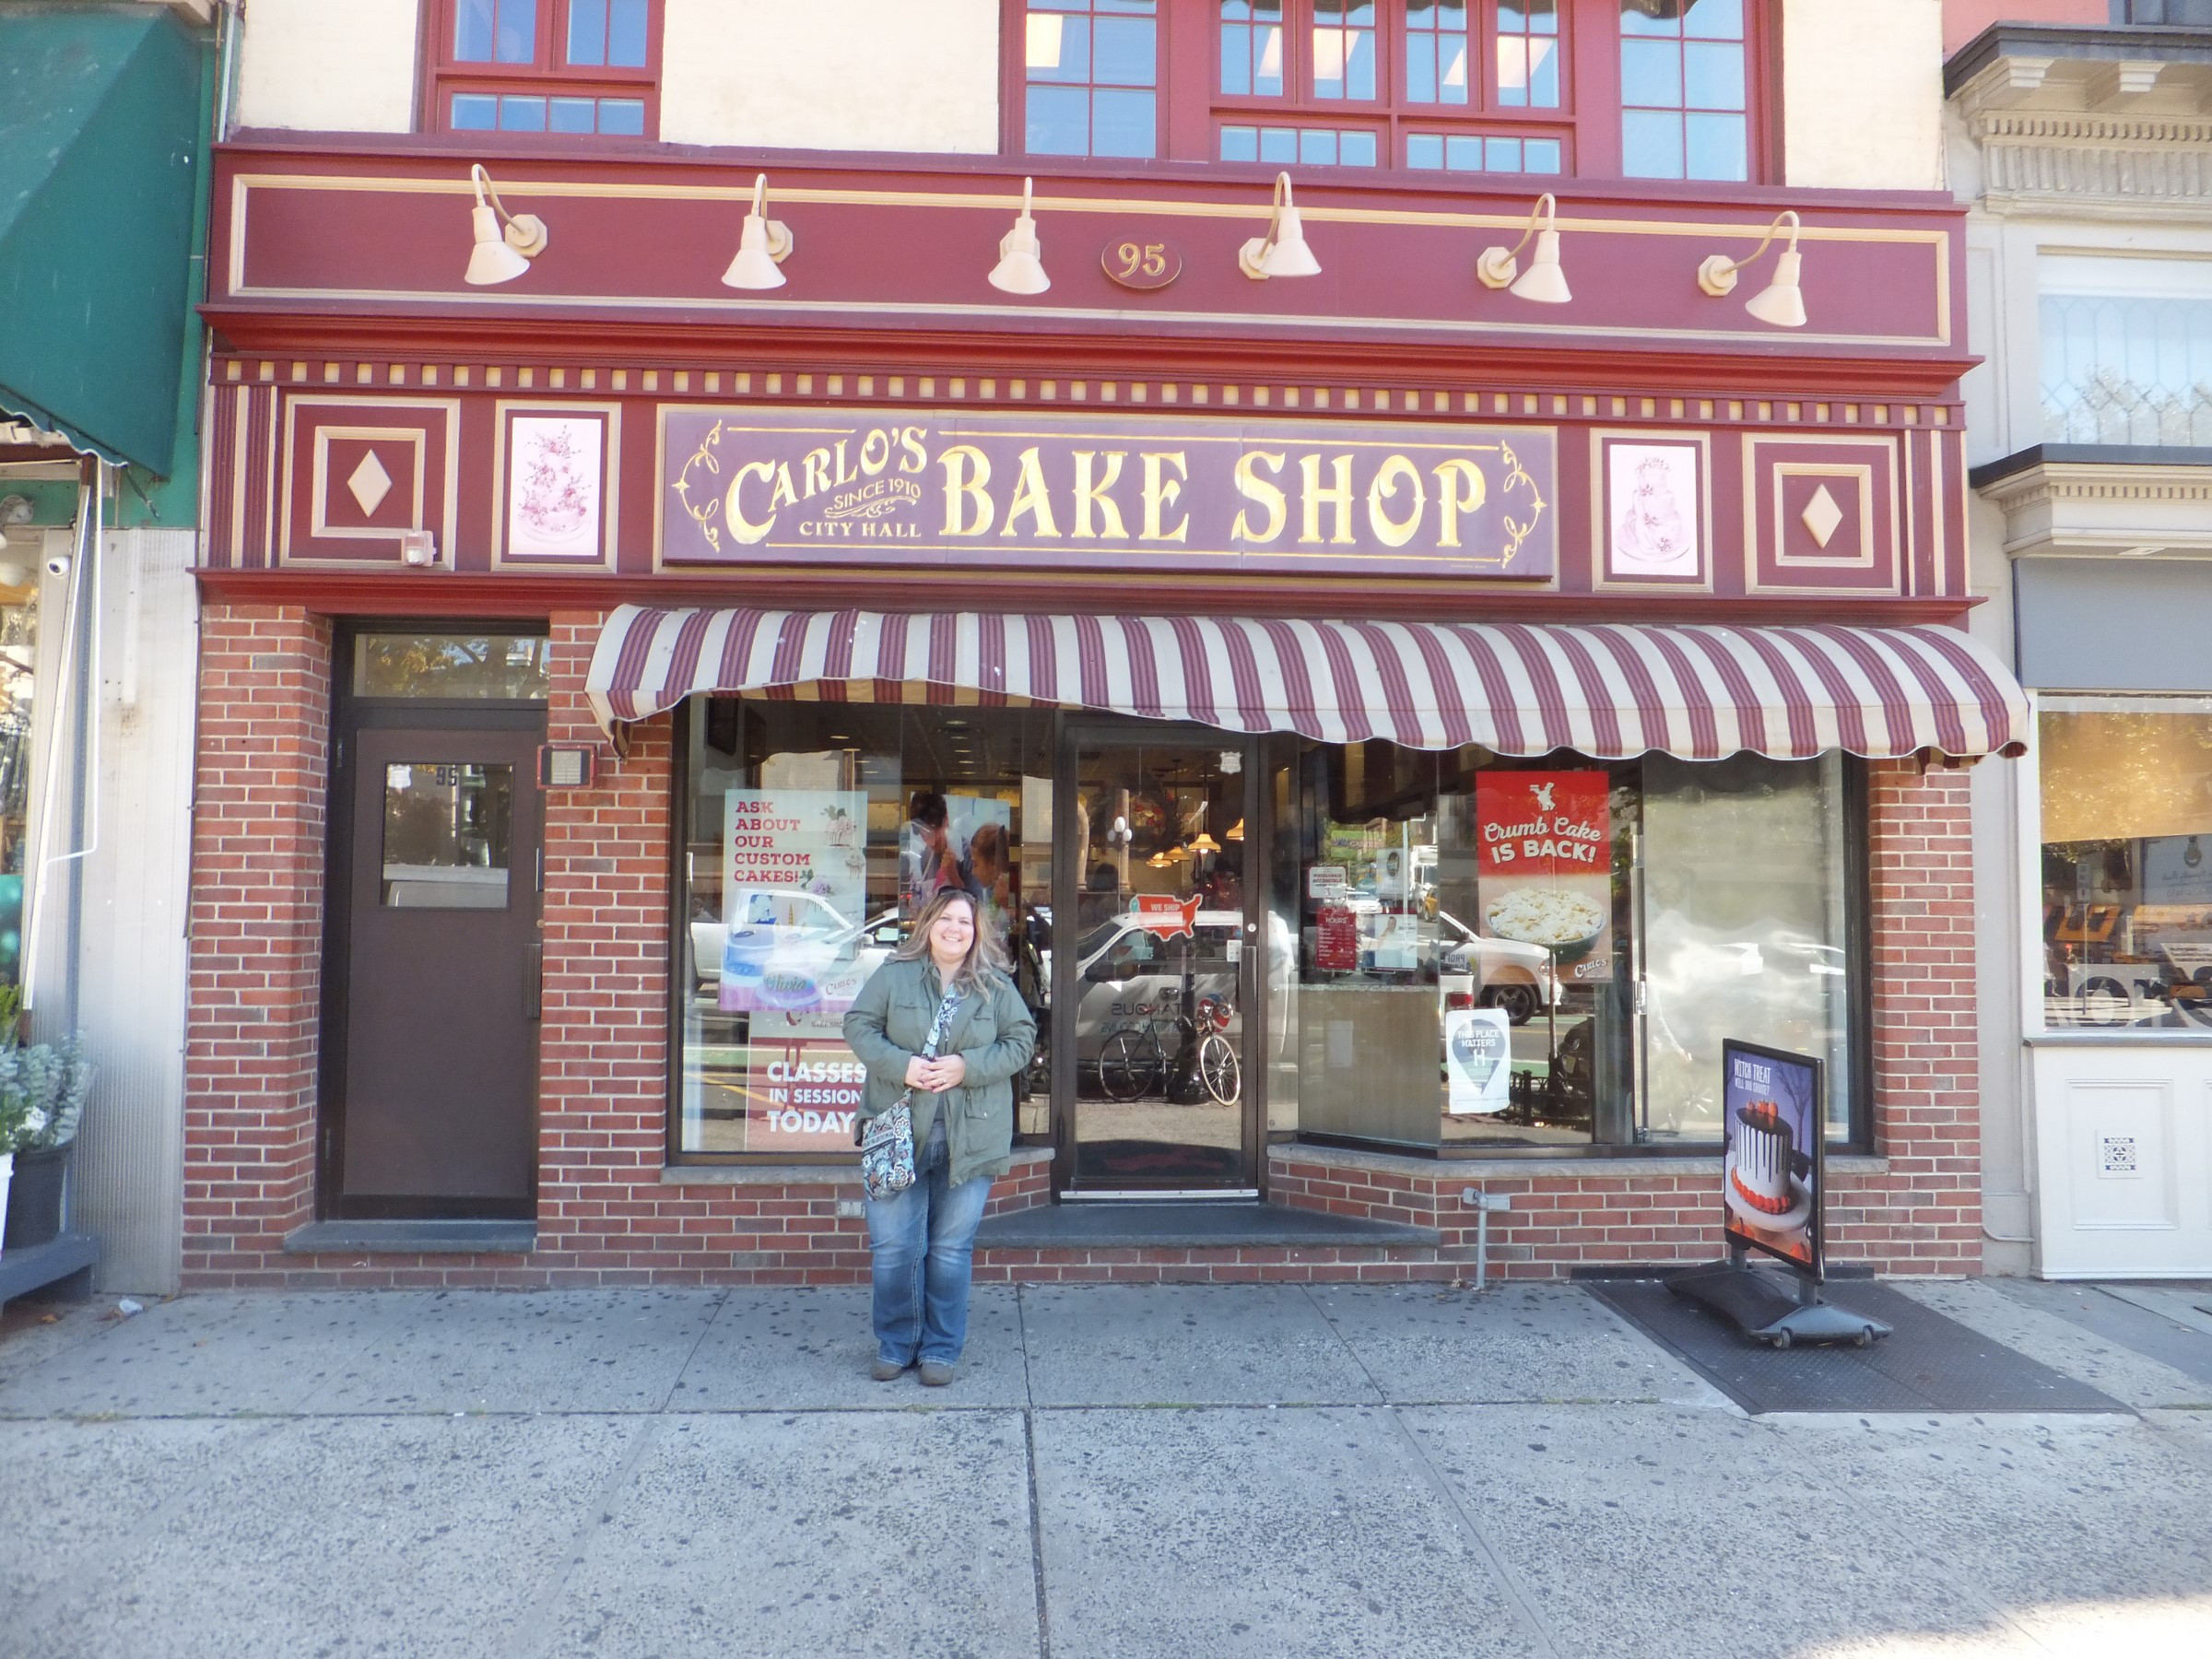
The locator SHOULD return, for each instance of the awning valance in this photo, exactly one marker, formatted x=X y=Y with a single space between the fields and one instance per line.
x=1603 y=689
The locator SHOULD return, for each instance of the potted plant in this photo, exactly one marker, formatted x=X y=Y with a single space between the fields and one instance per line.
x=42 y=1091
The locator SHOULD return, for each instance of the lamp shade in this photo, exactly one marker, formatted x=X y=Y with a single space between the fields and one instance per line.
x=1020 y=268
x=492 y=260
x=1283 y=251
x=1782 y=301
x=1544 y=281
x=762 y=244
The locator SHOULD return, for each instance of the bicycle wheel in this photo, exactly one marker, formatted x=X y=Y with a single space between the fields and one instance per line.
x=1217 y=1065
x=1128 y=1065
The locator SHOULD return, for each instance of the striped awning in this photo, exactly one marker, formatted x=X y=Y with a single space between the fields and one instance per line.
x=1605 y=690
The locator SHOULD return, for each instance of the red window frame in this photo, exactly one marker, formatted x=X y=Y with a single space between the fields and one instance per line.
x=545 y=76
x=1586 y=122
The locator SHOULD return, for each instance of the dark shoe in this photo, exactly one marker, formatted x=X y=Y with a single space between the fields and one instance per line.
x=936 y=1373
x=885 y=1370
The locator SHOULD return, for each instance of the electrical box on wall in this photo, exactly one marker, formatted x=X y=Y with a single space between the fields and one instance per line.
x=567 y=765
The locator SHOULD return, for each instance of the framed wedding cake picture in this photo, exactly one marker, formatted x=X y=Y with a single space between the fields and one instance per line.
x=557 y=469
x=1654 y=513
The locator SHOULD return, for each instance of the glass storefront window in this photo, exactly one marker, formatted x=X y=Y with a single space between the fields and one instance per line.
x=1500 y=951
x=2127 y=785
x=812 y=832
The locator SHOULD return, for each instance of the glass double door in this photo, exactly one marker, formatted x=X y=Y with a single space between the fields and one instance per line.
x=1154 y=963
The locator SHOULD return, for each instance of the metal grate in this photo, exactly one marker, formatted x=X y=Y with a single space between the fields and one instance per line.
x=1930 y=1363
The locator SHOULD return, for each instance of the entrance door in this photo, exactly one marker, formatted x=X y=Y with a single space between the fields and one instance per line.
x=1153 y=1001
x=436 y=1013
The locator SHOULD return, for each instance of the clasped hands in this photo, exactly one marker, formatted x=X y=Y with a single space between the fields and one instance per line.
x=936 y=1076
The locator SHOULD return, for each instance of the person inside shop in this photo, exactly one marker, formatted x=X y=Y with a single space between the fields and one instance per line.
x=988 y=874
x=925 y=858
x=941 y=1029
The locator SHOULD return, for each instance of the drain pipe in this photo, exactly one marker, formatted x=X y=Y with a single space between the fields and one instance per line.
x=1483 y=1204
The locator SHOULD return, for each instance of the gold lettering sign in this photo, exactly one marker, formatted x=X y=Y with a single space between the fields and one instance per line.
x=1017 y=490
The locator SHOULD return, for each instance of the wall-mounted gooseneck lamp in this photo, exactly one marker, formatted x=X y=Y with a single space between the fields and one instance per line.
x=1021 y=267
x=762 y=244
x=502 y=256
x=1782 y=301
x=1542 y=282
x=1283 y=251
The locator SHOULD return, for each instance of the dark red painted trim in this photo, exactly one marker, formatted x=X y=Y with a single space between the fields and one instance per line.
x=374 y=593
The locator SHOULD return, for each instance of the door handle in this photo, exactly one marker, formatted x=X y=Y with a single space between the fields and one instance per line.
x=533 y=980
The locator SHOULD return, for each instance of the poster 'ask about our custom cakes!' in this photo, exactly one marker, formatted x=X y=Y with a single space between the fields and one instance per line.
x=1544 y=865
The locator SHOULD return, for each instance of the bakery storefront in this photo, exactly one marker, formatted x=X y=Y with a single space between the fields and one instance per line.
x=1396 y=730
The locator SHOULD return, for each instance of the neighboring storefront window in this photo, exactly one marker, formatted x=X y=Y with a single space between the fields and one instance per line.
x=1500 y=951
x=19 y=650
x=812 y=831
x=2127 y=861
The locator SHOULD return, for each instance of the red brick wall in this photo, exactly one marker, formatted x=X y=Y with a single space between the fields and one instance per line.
x=607 y=1216
x=256 y=944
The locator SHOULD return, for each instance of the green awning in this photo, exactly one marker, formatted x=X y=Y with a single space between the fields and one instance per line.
x=100 y=152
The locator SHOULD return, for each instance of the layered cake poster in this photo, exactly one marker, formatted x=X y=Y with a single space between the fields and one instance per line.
x=1771 y=1167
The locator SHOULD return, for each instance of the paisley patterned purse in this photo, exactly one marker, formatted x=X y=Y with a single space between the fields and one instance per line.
x=886 y=1143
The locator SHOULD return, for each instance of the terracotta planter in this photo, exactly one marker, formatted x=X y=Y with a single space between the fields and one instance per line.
x=34 y=1201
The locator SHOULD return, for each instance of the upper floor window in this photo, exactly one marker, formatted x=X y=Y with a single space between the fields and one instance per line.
x=2190 y=14
x=572 y=66
x=1633 y=88
x=2126 y=350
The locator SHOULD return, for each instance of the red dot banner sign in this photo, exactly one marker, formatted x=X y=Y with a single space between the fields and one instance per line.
x=1544 y=865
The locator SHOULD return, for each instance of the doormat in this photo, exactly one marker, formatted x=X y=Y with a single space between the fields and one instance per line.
x=1931 y=1363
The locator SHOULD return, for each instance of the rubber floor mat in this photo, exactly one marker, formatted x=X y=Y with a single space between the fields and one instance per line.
x=1930 y=1363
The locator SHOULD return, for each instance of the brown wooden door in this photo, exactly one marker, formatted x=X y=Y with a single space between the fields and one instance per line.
x=437 y=1077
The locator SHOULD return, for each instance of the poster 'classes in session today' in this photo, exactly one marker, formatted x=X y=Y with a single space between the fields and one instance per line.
x=1543 y=864
x=802 y=1084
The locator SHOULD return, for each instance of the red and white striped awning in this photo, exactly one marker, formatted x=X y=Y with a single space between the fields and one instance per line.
x=1605 y=690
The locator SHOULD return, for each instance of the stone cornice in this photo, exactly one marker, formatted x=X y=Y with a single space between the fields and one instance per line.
x=2091 y=507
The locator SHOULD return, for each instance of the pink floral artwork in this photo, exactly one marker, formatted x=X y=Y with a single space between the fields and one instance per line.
x=553 y=466
x=1652 y=490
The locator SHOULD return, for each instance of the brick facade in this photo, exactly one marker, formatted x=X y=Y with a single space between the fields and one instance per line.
x=608 y=1213
x=258 y=840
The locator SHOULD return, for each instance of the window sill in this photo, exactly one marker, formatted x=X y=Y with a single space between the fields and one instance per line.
x=788 y=1174
x=1596 y=1166
x=2119 y=1039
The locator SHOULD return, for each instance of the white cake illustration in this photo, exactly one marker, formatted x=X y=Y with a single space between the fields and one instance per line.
x=1763 y=1158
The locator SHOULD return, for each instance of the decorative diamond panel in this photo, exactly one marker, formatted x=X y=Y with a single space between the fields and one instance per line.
x=1821 y=516
x=369 y=483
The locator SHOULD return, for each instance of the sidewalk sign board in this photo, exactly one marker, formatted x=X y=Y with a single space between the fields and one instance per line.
x=1772 y=1173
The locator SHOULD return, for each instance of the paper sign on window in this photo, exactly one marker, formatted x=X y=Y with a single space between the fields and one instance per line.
x=1544 y=865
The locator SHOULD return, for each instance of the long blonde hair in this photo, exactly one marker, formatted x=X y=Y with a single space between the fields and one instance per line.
x=985 y=955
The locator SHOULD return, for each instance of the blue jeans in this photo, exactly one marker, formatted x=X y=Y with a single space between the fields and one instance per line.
x=924 y=1240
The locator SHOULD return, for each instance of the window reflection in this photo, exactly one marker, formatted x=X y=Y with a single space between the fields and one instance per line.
x=18 y=653
x=1682 y=90
x=511 y=667
x=448 y=832
x=1091 y=68
x=2127 y=861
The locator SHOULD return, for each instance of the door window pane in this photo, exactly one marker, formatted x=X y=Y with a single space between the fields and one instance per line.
x=2126 y=787
x=448 y=828
x=511 y=667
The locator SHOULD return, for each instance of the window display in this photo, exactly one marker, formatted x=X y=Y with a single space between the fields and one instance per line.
x=2127 y=861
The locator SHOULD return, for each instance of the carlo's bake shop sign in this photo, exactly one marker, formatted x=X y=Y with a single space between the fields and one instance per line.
x=745 y=486
x=1544 y=865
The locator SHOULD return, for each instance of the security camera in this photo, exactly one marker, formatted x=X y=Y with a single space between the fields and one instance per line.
x=57 y=566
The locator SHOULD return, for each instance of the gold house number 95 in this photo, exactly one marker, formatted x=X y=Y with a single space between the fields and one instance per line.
x=1142 y=265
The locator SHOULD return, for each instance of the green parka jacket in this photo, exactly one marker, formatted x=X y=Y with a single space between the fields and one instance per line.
x=991 y=1030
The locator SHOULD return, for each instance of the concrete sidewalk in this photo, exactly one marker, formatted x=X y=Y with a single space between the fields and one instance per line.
x=1125 y=1472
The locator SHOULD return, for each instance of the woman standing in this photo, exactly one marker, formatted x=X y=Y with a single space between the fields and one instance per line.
x=940 y=1024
